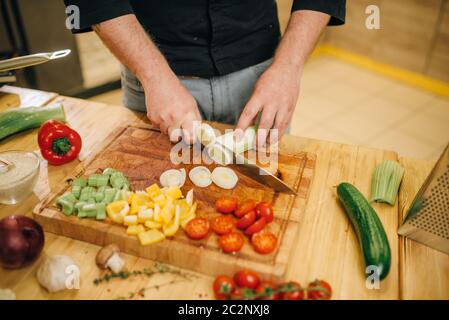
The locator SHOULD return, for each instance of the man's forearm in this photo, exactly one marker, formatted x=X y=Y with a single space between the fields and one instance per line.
x=301 y=35
x=128 y=41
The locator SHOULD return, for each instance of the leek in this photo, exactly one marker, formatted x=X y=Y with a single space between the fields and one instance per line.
x=385 y=182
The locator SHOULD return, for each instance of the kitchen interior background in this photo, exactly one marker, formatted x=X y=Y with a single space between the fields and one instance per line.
x=386 y=88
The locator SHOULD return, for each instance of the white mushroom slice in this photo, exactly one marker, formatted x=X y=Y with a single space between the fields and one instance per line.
x=205 y=134
x=189 y=197
x=219 y=154
x=224 y=177
x=200 y=176
x=172 y=178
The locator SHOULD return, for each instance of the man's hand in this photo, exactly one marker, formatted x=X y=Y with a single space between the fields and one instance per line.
x=172 y=108
x=276 y=92
x=275 y=95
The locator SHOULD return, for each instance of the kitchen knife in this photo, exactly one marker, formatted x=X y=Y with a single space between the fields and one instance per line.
x=255 y=172
x=31 y=60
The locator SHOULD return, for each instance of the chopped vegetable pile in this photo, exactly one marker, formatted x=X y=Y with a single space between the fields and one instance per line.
x=151 y=215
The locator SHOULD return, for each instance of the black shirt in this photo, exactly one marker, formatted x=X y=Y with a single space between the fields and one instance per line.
x=206 y=38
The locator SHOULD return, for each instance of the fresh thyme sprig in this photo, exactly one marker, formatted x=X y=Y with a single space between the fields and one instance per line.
x=149 y=272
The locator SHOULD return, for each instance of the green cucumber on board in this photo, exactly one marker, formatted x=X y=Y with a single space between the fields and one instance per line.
x=368 y=227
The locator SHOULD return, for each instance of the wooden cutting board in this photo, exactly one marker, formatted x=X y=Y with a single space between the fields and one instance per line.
x=143 y=154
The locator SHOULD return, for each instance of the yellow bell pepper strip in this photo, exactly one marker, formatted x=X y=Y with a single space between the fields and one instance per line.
x=152 y=224
x=171 y=229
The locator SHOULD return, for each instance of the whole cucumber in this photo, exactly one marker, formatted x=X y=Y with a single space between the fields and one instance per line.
x=370 y=232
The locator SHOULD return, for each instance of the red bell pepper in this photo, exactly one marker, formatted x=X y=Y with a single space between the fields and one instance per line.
x=59 y=143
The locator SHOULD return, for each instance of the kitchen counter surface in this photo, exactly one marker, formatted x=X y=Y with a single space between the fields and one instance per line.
x=326 y=247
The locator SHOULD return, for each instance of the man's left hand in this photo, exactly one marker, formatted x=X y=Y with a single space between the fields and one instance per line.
x=275 y=95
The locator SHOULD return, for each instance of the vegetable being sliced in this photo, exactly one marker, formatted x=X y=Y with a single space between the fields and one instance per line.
x=206 y=134
x=224 y=177
x=385 y=182
x=200 y=176
x=369 y=229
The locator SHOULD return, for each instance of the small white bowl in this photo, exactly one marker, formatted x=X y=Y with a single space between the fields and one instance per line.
x=17 y=181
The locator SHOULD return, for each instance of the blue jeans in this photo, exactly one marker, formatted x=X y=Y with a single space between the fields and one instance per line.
x=220 y=99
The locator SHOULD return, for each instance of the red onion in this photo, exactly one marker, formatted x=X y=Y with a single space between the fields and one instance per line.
x=21 y=241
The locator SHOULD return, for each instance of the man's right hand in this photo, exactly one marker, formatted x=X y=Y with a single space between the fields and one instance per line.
x=172 y=109
x=170 y=106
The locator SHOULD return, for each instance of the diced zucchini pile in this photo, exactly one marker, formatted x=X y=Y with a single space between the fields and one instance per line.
x=89 y=197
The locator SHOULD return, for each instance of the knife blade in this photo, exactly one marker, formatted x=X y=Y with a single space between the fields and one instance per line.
x=251 y=169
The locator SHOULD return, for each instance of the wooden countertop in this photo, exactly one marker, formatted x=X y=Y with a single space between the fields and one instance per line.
x=326 y=247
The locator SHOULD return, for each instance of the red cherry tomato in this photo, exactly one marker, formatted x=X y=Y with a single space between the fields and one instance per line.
x=291 y=291
x=245 y=207
x=247 y=220
x=197 y=228
x=231 y=242
x=267 y=291
x=256 y=227
x=223 y=287
x=265 y=210
x=319 y=290
x=226 y=205
x=222 y=224
x=242 y=294
x=264 y=242
x=247 y=279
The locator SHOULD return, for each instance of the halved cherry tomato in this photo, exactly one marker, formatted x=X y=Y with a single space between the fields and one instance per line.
x=226 y=204
x=222 y=224
x=197 y=228
x=247 y=220
x=265 y=210
x=231 y=242
x=247 y=279
x=267 y=291
x=223 y=287
x=256 y=227
x=291 y=291
x=264 y=242
x=245 y=207
x=321 y=290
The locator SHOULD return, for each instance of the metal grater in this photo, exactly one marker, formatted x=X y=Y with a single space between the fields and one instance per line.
x=427 y=220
